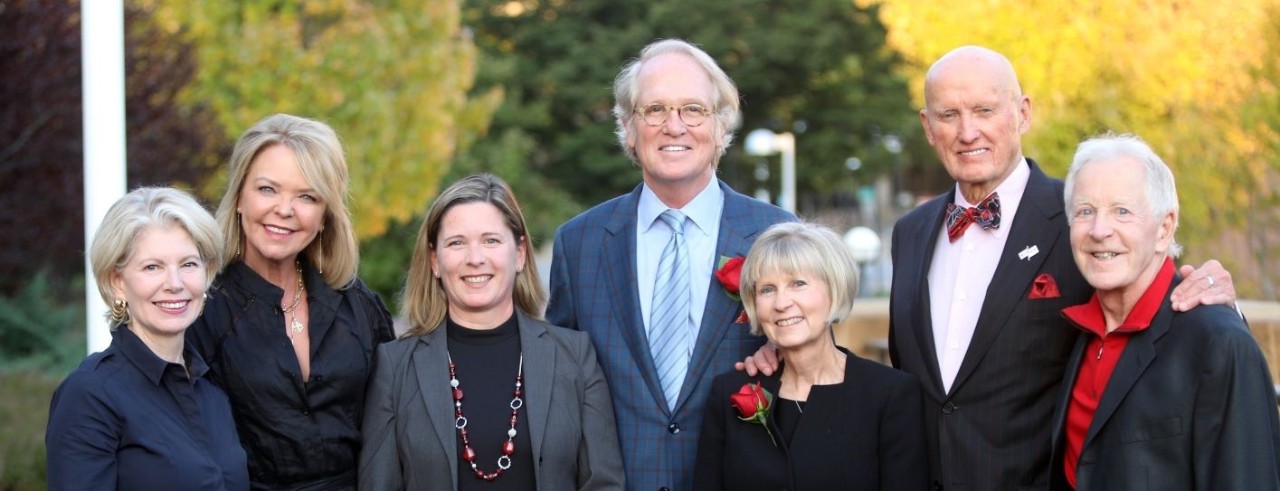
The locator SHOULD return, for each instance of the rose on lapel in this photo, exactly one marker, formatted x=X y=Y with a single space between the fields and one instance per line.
x=753 y=404
x=1044 y=286
x=729 y=272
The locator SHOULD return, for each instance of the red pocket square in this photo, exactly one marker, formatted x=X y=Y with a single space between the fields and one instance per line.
x=1044 y=287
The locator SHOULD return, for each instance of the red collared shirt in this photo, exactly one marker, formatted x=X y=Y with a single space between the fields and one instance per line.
x=1100 y=358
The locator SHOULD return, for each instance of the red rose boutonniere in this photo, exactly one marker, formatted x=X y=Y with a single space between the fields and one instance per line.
x=753 y=404
x=729 y=272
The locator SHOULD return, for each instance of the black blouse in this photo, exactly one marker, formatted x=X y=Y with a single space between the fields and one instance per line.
x=127 y=419
x=487 y=361
x=298 y=435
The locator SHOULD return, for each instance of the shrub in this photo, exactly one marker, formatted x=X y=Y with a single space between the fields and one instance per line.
x=24 y=413
x=42 y=328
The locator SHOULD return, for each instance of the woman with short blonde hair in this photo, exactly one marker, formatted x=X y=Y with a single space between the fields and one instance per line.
x=142 y=414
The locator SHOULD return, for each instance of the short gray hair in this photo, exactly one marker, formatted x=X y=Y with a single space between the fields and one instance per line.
x=1161 y=191
x=725 y=93
x=800 y=247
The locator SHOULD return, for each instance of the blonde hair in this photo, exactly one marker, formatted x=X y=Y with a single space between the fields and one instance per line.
x=423 y=299
x=319 y=153
x=144 y=209
x=798 y=247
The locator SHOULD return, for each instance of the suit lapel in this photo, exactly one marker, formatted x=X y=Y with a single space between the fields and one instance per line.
x=918 y=275
x=431 y=367
x=1033 y=226
x=539 y=364
x=1138 y=354
x=619 y=260
x=1064 y=398
x=773 y=384
x=733 y=239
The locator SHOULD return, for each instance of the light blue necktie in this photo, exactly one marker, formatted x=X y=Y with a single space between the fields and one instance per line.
x=669 y=321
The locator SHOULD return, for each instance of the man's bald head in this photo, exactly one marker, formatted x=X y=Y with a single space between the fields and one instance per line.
x=974 y=59
x=974 y=117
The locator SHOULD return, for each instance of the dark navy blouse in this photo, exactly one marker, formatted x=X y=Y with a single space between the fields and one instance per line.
x=126 y=419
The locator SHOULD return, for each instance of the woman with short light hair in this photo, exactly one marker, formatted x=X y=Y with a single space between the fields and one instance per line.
x=142 y=414
x=826 y=419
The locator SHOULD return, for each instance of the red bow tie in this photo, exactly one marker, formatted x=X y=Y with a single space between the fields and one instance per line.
x=987 y=214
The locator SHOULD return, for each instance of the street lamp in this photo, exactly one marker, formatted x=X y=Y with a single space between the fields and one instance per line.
x=763 y=142
x=864 y=245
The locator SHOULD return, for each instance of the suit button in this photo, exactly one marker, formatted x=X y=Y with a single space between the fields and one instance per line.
x=673 y=428
x=937 y=486
x=948 y=408
x=664 y=488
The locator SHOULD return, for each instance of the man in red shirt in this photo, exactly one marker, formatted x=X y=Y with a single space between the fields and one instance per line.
x=1152 y=399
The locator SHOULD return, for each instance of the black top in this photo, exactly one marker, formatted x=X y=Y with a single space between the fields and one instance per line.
x=788 y=413
x=487 y=361
x=298 y=435
x=127 y=419
x=865 y=433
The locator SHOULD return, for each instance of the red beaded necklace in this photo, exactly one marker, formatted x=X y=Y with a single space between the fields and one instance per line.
x=460 y=422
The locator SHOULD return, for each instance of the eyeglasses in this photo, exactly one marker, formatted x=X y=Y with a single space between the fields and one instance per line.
x=691 y=114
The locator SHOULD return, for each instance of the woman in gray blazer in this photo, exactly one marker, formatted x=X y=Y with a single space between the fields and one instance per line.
x=480 y=391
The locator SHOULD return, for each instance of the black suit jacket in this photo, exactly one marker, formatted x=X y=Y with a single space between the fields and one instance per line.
x=989 y=432
x=864 y=433
x=1190 y=405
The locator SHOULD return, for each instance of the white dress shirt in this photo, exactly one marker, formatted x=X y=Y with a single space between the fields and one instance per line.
x=961 y=271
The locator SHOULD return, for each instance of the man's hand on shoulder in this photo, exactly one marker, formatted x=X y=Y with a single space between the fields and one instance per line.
x=764 y=362
x=1210 y=284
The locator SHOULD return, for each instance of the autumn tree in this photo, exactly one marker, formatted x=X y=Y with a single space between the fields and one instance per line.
x=392 y=77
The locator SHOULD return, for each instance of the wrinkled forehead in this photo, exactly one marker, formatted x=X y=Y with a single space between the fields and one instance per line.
x=1115 y=180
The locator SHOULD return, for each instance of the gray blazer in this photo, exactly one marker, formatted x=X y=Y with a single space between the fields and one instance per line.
x=575 y=441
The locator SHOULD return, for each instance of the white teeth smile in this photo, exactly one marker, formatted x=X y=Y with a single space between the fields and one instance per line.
x=278 y=230
x=674 y=148
x=477 y=279
x=1104 y=255
x=172 y=305
x=789 y=322
x=973 y=152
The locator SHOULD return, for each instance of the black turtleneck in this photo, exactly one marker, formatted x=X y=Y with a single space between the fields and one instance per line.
x=486 y=361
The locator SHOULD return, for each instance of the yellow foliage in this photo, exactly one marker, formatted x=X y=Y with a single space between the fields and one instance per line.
x=392 y=77
x=1178 y=74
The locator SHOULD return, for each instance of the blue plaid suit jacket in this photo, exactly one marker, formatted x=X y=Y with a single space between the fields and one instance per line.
x=593 y=289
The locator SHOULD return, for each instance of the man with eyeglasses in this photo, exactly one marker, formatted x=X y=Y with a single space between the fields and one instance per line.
x=637 y=272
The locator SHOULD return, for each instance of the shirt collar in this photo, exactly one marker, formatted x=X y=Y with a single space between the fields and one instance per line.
x=318 y=292
x=152 y=366
x=1088 y=317
x=703 y=210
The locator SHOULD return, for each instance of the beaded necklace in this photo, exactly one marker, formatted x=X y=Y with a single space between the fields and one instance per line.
x=460 y=422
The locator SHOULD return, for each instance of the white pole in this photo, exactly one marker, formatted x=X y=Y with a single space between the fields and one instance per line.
x=786 y=144
x=102 y=81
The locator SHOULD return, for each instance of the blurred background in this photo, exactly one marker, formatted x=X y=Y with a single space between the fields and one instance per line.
x=426 y=91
